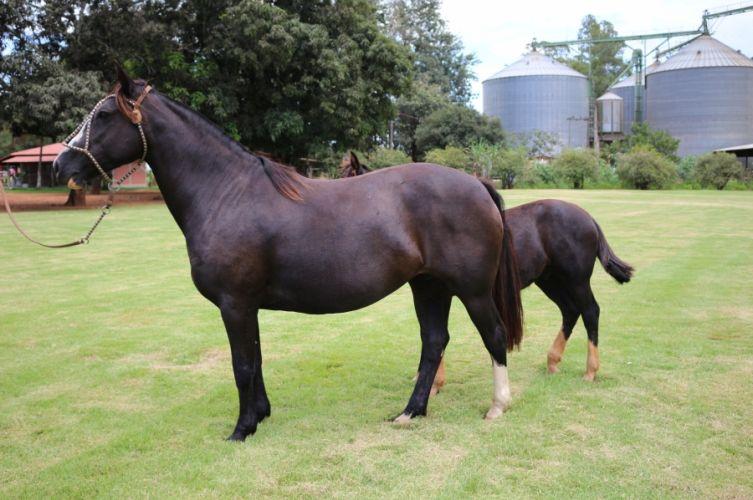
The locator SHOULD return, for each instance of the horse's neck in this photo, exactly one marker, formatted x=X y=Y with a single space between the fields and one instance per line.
x=196 y=167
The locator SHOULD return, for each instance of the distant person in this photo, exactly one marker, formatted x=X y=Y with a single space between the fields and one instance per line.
x=12 y=174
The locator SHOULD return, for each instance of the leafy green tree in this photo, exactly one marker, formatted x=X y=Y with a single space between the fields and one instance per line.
x=292 y=78
x=537 y=143
x=645 y=168
x=641 y=134
x=717 y=169
x=438 y=55
x=382 y=157
x=421 y=100
x=686 y=167
x=510 y=165
x=603 y=62
x=576 y=166
x=457 y=125
x=451 y=156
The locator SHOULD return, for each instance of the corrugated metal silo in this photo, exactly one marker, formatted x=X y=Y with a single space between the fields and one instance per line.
x=625 y=88
x=610 y=113
x=539 y=93
x=703 y=95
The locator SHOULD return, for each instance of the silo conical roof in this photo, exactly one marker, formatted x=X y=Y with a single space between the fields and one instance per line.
x=536 y=64
x=609 y=96
x=704 y=52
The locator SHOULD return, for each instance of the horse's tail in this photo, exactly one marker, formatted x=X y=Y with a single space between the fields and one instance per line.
x=617 y=268
x=507 y=283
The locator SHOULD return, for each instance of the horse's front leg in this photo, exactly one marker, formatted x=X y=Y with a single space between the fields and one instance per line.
x=243 y=333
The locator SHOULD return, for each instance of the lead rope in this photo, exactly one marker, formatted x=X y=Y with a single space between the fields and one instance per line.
x=112 y=186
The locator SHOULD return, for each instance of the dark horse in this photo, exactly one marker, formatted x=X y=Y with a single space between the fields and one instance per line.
x=259 y=236
x=556 y=244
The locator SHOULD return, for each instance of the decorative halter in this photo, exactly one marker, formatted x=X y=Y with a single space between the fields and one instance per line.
x=112 y=186
x=86 y=127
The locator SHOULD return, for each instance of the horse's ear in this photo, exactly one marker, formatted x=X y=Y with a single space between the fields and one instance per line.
x=354 y=161
x=126 y=84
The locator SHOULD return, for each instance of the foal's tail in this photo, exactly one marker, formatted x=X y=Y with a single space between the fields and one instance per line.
x=617 y=268
x=507 y=283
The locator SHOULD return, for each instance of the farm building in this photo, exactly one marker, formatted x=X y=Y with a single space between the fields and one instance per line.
x=537 y=93
x=703 y=96
x=28 y=161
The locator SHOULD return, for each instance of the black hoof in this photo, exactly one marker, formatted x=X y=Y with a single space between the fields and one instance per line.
x=236 y=436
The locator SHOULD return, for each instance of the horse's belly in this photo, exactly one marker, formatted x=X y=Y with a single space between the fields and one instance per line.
x=326 y=296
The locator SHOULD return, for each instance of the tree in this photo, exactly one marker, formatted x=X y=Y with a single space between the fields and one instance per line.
x=603 y=62
x=451 y=156
x=457 y=125
x=438 y=55
x=510 y=164
x=382 y=157
x=645 y=168
x=717 y=169
x=576 y=166
x=537 y=143
x=641 y=134
x=421 y=100
x=290 y=77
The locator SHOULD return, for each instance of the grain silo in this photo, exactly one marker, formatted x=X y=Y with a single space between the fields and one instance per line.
x=703 y=96
x=539 y=93
x=611 y=109
x=625 y=88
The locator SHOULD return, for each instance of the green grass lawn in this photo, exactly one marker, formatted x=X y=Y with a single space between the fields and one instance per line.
x=115 y=377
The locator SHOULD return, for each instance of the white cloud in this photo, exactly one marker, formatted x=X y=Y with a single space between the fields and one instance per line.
x=498 y=32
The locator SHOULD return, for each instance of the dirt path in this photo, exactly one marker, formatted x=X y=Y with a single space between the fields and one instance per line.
x=31 y=201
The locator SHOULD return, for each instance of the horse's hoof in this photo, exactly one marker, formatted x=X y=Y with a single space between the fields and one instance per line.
x=237 y=437
x=552 y=369
x=434 y=391
x=589 y=377
x=496 y=410
x=402 y=419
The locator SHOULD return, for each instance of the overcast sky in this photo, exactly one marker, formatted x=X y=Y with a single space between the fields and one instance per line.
x=497 y=31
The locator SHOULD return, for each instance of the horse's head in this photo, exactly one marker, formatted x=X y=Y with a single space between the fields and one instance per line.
x=110 y=136
x=350 y=166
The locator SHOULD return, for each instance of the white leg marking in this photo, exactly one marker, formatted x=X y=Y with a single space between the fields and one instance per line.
x=402 y=419
x=502 y=398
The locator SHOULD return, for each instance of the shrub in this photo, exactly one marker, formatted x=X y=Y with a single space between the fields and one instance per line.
x=509 y=164
x=385 y=157
x=450 y=156
x=576 y=165
x=686 y=168
x=644 y=168
x=717 y=169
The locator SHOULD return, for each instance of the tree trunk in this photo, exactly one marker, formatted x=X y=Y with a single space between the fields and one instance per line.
x=39 y=164
x=96 y=186
x=76 y=198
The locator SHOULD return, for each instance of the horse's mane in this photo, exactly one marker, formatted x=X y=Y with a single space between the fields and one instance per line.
x=286 y=180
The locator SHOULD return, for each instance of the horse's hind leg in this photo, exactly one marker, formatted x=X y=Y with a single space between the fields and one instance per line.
x=485 y=317
x=432 y=300
x=589 y=309
x=570 y=313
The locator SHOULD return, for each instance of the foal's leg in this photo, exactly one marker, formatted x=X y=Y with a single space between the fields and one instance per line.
x=590 y=310
x=559 y=295
x=243 y=333
x=484 y=314
x=431 y=299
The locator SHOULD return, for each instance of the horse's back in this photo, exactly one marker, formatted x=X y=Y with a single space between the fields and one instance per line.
x=553 y=234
